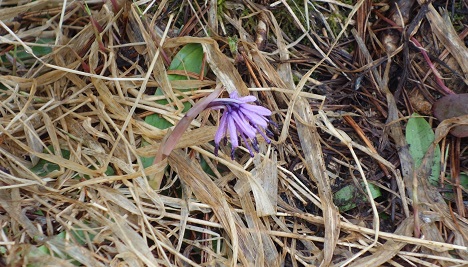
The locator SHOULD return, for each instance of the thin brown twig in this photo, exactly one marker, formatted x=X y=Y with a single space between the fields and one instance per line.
x=366 y=140
x=438 y=78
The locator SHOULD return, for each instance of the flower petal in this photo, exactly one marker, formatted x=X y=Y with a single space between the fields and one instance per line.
x=247 y=99
x=218 y=107
x=247 y=144
x=255 y=144
x=232 y=131
x=243 y=126
x=243 y=99
x=240 y=118
x=256 y=109
x=221 y=132
x=255 y=119
x=264 y=135
x=234 y=95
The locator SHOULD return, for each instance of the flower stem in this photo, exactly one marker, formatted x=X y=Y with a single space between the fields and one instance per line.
x=170 y=142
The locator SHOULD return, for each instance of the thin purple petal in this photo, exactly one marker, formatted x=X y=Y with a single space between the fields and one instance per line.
x=234 y=95
x=247 y=99
x=232 y=131
x=243 y=126
x=256 y=109
x=240 y=118
x=255 y=144
x=216 y=149
x=243 y=99
x=246 y=142
x=255 y=119
x=221 y=132
x=263 y=135
x=218 y=107
x=224 y=102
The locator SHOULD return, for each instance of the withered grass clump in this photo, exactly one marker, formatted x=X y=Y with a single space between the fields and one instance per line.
x=78 y=81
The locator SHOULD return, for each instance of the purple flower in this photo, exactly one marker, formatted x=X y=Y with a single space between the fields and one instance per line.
x=240 y=118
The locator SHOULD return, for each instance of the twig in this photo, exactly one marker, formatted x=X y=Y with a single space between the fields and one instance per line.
x=438 y=77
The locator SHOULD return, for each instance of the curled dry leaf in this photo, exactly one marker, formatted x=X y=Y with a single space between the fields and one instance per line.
x=452 y=106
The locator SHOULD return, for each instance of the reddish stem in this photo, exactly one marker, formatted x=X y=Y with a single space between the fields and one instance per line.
x=437 y=75
x=115 y=6
x=169 y=144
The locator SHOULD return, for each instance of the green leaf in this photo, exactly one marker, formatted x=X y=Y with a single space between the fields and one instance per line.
x=44 y=168
x=39 y=212
x=43 y=251
x=39 y=51
x=206 y=168
x=109 y=171
x=189 y=59
x=420 y=136
x=232 y=41
x=146 y=162
x=349 y=196
x=463 y=182
x=82 y=236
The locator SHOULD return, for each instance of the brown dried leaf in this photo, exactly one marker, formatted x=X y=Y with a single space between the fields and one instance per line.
x=451 y=106
x=310 y=142
x=443 y=29
x=389 y=249
x=207 y=192
x=224 y=69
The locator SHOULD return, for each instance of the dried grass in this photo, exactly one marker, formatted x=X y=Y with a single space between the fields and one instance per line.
x=275 y=209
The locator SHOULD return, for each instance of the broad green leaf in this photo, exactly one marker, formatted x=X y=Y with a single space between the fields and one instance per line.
x=41 y=51
x=189 y=59
x=39 y=212
x=420 y=136
x=349 y=197
x=109 y=171
x=464 y=180
x=146 y=162
x=42 y=250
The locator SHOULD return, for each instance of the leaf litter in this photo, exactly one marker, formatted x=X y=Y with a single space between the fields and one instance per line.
x=78 y=84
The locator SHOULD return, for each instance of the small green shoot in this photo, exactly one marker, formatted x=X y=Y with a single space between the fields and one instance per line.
x=232 y=41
